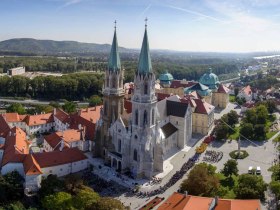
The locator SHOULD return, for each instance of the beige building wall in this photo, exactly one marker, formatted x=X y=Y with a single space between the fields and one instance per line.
x=202 y=123
x=175 y=91
x=220 y=100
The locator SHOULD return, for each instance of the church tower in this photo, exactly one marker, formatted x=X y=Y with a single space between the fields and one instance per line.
x=113 y=96
x=143 y=117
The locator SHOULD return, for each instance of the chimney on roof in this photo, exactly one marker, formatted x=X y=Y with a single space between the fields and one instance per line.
x=186 y=193
x=61 y=145
x=79 y=112
x=80 y=127
x=10 y=133
x=54 y=111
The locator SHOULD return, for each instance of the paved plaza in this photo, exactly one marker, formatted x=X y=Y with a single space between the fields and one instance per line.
x=260 y=154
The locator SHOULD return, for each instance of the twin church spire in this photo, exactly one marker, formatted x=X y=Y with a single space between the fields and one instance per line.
x=114 y=63
x=144 y=63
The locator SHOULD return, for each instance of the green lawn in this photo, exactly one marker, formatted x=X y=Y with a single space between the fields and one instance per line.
x=232 y=98
x=270 y=134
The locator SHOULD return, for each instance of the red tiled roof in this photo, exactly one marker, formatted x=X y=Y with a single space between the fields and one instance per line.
x=4 y=127
x=62 y=116
x=15 y=147
x=30 y=165
x=247 y=90
x=39 y=119
x=68 y=136
x=203 y=107
x=91 y=114
x=195 y=94
x=14 y=117
x=178 y=84
x=128 y=106
x=222 y=89
x=54 y=158
x=179 y=201
x=161 y=96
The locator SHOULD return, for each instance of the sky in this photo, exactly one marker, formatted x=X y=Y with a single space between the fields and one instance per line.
x=184 y=25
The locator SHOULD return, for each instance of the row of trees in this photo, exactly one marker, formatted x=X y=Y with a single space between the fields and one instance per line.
x=181 y=67
x=204 y=181
x=71 y=87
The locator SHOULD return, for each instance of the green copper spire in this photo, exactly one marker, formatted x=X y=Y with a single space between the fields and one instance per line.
x=145 y=64
x=114 y=59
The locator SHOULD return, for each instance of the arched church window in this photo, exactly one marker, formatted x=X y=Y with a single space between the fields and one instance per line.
x=119 y=145
x=146 y=88
x=107 y=82
x=136 y=117
x=135 y=155
x=145 y=120
x=120 y=81
x=114 y=82
x=153 y=116
x=136 y=137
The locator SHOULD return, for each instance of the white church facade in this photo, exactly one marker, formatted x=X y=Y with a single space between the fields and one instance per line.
x=140 y=141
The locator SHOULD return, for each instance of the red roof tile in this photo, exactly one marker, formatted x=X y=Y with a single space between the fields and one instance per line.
x=181 y=83
x=30 y=165
x=68 y=136
x=161 y=96
x=179 y=201
x=4 y=127
x=39 y=119
x=222 y=89
x=48 y=159
x=247 y=90
x=15 y=147
x=203 y=107
x=62 y=116
x=14 y=117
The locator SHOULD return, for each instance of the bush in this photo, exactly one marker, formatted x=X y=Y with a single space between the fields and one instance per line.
x=234 y=154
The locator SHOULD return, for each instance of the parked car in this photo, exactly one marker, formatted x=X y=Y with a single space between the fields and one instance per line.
x=258 y=171
x=250 y=170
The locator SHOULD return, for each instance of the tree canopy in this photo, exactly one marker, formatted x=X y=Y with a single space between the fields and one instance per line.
x=230 y=168
x=250 y=187
x=201 y=181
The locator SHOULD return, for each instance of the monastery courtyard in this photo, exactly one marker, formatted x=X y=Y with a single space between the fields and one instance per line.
x=260 y=154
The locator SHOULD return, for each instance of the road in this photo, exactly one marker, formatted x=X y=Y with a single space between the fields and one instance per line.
x=37 y=102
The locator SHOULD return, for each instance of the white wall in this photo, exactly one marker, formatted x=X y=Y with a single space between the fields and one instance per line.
x=32 y=182
x=63 y=170
x=39 y=128
x=12 y=167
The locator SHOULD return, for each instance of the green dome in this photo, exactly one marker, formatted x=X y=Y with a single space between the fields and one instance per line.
x=166 y=77
x=210 y=79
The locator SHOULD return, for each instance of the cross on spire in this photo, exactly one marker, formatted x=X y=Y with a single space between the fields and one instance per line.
x=115 y=24
x=146 y=20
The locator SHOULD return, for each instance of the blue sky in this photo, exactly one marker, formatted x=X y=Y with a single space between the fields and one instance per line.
x=186 y=25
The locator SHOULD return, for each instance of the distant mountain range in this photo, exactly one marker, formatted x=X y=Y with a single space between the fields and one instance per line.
x=34 y=46
x=29 y=46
